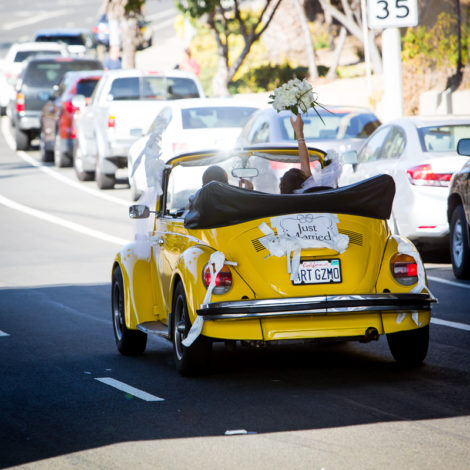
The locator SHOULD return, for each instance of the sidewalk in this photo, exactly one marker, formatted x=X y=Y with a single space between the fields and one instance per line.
x=347 y=91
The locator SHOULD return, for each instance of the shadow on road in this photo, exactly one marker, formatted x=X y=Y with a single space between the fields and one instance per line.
x=61 y=340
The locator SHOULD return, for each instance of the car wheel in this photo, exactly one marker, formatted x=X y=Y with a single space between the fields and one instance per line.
x=22 y=139
x=459 y=244
x=3 y=111
x=82 y=175
x=129 y=342
x=409 y=347
x=46 y=155
x=61 y=159
x=194 y=359
x=104 y=181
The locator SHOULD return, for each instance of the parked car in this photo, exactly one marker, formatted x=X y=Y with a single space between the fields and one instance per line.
x=193 y=124
x=144 y=35
x=124 y=104
x=458 y=215
x=14 y=61
x=80 y=42
x=421 y=155
x=58 y=133
x=34 y=88
x=232 y=264
x=340 y=128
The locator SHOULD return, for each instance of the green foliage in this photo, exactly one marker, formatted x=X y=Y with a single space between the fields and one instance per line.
x=266 y=77
x=134 y=5
x=197 y=8
x=436 y=47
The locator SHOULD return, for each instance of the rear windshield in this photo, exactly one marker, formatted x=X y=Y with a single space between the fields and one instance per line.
x=153 y=88
x=48 y=74
x=334 y=126
x=442 y=138
x=21 y=56
x=86 y=86
x=70 y=40
x=215 y=117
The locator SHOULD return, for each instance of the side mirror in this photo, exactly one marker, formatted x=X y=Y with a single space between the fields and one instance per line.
x=79 y=101
x=463 y=147
x=139 y=211
x=349 y=157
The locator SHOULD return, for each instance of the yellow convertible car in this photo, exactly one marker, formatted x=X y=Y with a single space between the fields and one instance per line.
x=234 y=260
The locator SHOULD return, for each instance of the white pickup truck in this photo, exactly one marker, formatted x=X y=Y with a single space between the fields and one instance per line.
x=123 y=106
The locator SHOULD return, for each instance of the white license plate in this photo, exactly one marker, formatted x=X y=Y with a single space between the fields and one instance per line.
x=320 y=271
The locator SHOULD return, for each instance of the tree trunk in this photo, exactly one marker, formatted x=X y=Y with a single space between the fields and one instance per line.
x=129 y=41
x=339 y=47
x=312 y=66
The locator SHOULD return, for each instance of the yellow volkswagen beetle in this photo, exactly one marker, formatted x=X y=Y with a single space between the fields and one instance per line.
x=220 y=262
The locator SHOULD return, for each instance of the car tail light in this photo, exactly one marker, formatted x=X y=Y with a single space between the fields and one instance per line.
x=223 y=280
x=111 y=121
x=422 y=175
x=404 y=269
x=19 y=102
x=179 y=147
x=69 y=107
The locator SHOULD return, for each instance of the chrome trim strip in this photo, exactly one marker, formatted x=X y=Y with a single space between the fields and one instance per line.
x=318 y=305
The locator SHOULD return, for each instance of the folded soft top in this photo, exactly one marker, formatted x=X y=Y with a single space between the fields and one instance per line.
x=217 y=204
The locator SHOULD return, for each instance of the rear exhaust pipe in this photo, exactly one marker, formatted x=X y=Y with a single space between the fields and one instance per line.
x=371 y=334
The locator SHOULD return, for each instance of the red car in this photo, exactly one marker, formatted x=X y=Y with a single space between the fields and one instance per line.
x=58 y=133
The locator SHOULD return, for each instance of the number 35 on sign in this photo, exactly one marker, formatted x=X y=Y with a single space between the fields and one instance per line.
x=392 y=13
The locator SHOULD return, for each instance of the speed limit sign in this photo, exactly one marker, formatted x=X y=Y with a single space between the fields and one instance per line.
x=392 y=13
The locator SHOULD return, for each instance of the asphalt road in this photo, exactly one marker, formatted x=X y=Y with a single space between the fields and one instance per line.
x=318 y=407
x=331 y=407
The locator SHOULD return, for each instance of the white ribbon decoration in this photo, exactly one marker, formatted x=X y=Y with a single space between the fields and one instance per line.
x=216 y=263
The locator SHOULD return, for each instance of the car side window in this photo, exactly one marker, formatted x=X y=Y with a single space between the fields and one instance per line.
x=372 y=149
x=261 y=134
x=394 y=144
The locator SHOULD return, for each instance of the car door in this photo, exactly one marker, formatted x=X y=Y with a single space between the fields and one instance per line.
x=370 y=158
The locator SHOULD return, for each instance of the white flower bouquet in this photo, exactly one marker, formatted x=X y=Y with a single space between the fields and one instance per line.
x=296 y=96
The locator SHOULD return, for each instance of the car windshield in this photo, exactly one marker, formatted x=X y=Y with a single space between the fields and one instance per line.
x=86 y=86
x=67 y=39
x=215 y=117
x=262 y=170
x=335 y=125
x=153 y=88
x=47 y=74
x=442 y=138
x=21 y=56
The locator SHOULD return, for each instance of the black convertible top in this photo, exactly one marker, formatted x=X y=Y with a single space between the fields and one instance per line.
x=217 y=204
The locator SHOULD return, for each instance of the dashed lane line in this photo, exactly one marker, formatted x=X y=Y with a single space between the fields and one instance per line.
x=54 y=173
x=63 y=223
x=128 y=389
x=451 y=324
x=45 y=15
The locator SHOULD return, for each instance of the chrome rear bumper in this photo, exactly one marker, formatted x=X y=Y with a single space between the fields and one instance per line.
x=318 y=305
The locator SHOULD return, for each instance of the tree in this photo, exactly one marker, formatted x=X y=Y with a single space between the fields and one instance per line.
x=350 y=18
x=225 y=18
x=123 y=13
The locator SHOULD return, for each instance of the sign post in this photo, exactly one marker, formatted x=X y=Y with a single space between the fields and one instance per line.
x=390 y=15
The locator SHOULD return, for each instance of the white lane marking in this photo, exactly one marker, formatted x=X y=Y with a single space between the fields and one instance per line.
x=2 y=333
x=34 y=19
x=54 y=173
x=63 y=223
x=451 y=324
x=450 y=283
x=128 y=389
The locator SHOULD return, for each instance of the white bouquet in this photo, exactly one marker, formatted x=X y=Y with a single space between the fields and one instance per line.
x=295 y=95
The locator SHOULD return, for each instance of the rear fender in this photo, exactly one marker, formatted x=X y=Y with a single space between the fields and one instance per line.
x=189 y=269
x=386 y=283
x=138 y=289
